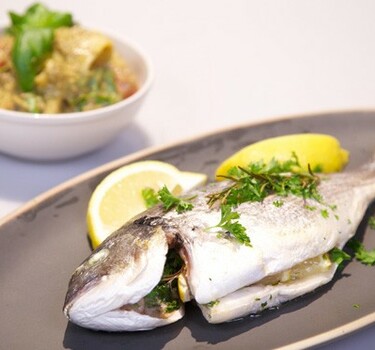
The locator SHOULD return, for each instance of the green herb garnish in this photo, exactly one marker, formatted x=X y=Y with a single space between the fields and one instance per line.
x=259 y=180
x=33 y=33
x=164 y=196
x=162 y=297
x=278 y=203
x=170 y=201
x=213 y=303
x=338 y=256
x=165 y=295
x=173 y=266
x=366 y=257
x=229 y=224
x=150 y=197
x=324 y=213
x=371 y=222
x=310 y=207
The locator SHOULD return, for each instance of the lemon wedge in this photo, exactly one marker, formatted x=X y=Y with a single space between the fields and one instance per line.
x=318 y=150
x=118 y=197
x=183 y=289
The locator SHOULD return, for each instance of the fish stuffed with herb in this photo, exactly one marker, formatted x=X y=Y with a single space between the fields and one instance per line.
x=265 y=235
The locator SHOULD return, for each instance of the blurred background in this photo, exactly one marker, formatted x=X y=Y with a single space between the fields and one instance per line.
x=218 y=63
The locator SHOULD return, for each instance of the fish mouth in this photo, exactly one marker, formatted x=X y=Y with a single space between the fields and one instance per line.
x=114 y=299
x=164 y=298
x=161 y=306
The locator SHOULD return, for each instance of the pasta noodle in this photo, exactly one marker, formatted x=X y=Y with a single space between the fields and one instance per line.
x=83 y=72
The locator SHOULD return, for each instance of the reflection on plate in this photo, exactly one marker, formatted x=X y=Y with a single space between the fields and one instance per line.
x=43 y=242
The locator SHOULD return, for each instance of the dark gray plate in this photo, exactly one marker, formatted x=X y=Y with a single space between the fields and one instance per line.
x=43 y=242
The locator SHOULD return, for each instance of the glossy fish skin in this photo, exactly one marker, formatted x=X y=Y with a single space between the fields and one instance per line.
x=281 y=236
x=258 y=297
x=220 y=268
x=119 y=272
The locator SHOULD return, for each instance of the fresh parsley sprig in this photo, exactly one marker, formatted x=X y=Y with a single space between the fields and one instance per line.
x=366 y=257
x=169 y=201
x=164 y=296
x=358 y=251
x=338 y=256
x=150 y=197
x=259 y=180
x=229 y=223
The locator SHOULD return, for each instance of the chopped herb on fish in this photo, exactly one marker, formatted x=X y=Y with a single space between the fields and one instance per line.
x=278 y=203
x=213 y=303
x=338 y=256
x=165 y=295
x=162 y=296
x=324 y=213
x=173 y=266
x=150 y=197
x=333 y=207
x=228 y=223
x=259 y=180
x=170 y=201
x=310 y=207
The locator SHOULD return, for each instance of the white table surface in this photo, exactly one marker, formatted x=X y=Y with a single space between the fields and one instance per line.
x=220 y=63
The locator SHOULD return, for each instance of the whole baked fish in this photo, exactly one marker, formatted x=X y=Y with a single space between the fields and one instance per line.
x=139 y=277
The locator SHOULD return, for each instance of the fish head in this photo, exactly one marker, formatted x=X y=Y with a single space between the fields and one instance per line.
x=121 y=271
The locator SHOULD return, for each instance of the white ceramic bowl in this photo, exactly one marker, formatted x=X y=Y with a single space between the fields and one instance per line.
x=59 y=136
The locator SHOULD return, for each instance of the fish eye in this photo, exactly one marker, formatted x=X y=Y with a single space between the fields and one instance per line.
x=98 y=257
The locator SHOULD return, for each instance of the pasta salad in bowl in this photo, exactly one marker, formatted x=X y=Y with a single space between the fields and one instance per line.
x=65 y=89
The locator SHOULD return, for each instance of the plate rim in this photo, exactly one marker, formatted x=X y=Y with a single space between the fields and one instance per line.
x=320 y=339
x=333 y=334
x=158 y=148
